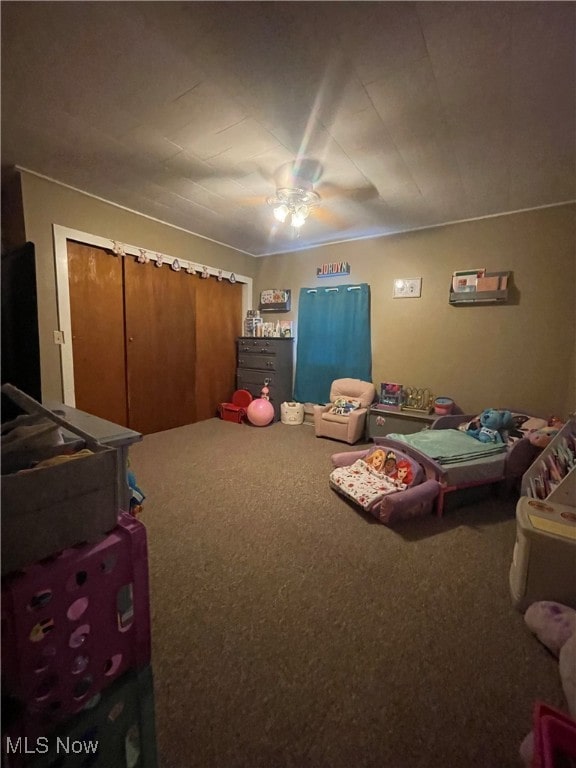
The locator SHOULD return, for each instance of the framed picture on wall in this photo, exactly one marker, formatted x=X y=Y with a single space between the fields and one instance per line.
x=275 y=300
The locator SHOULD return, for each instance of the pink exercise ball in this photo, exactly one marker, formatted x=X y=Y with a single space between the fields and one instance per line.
x=260 y=412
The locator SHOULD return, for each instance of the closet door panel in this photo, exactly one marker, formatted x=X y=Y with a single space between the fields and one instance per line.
x=97 y=314
x=160 y=346
x=218 y=324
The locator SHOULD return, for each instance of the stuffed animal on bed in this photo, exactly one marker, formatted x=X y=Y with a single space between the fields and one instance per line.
x=491 y=426
x=542 y=436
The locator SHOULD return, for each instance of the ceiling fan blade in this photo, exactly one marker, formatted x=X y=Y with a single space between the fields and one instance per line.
x=304 y=171
x=255 y=200
x=264 y=173
x=326 y=190
x=329 y=218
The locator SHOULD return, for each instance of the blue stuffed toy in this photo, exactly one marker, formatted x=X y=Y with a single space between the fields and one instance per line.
x=491 y=426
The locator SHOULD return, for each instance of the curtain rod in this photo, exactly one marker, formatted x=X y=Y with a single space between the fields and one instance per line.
x=327 y=290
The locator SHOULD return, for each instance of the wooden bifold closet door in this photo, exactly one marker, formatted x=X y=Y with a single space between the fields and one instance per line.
x=153 y=348
x=218 y=325
x=96 y=286
x=160 y=346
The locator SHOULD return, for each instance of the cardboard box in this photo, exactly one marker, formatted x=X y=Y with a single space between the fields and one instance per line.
x=488 y=283
x=53 y=508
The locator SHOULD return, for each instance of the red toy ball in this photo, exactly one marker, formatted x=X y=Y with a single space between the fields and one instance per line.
x=260 y=412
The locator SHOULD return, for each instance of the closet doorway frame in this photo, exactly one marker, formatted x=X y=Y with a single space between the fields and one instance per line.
x=61 y=235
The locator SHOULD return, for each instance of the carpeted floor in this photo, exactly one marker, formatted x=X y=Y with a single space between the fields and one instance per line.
x=291 y=631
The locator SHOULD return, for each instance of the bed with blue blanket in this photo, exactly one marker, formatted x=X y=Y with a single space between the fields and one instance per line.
x=458 y=460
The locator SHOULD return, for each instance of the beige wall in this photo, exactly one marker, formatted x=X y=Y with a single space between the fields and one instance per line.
x=46 y=203
x=521 y=354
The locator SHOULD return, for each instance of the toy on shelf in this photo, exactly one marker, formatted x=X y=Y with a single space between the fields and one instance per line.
x=443 y=406
x=417 y=399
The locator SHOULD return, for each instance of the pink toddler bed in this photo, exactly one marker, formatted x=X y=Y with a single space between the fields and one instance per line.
x=503 y=466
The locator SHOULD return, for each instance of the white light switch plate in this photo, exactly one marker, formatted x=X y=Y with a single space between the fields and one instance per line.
x=407 y=288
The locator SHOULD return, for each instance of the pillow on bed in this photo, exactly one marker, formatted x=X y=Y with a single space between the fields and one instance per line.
x=523 y=425
x=526 y=423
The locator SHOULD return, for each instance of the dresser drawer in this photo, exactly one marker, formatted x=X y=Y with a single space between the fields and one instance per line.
x=254 y=385
x=256 y=391
x=258 y=346
x=262 y=362
x=255 y=378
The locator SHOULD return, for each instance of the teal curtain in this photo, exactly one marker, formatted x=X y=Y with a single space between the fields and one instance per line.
x=333 y=339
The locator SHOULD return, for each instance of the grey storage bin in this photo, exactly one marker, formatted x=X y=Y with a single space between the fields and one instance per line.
x=52 y=508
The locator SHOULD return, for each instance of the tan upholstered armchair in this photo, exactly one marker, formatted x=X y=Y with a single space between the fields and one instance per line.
x=348 y=428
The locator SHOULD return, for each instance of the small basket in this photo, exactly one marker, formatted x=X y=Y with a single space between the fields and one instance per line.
x=292 y=413
x=443 y=406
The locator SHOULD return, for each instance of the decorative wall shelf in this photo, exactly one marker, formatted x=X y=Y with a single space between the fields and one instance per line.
x=494 y=296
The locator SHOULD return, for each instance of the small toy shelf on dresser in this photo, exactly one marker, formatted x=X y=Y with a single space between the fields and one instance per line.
x=552 y=475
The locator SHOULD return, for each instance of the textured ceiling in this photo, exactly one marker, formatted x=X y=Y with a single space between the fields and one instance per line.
x=407 y=115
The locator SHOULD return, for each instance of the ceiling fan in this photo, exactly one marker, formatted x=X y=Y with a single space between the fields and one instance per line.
x=294 y=204
x=300 y=194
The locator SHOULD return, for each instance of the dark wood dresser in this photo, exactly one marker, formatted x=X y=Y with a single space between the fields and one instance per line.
x=261 y=359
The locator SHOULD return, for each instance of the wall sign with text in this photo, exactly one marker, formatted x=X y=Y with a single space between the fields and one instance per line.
x=333 y=269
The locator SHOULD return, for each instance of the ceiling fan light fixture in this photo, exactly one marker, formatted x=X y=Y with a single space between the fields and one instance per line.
x=299 y=216
x=281 y=212
x=293 y=204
